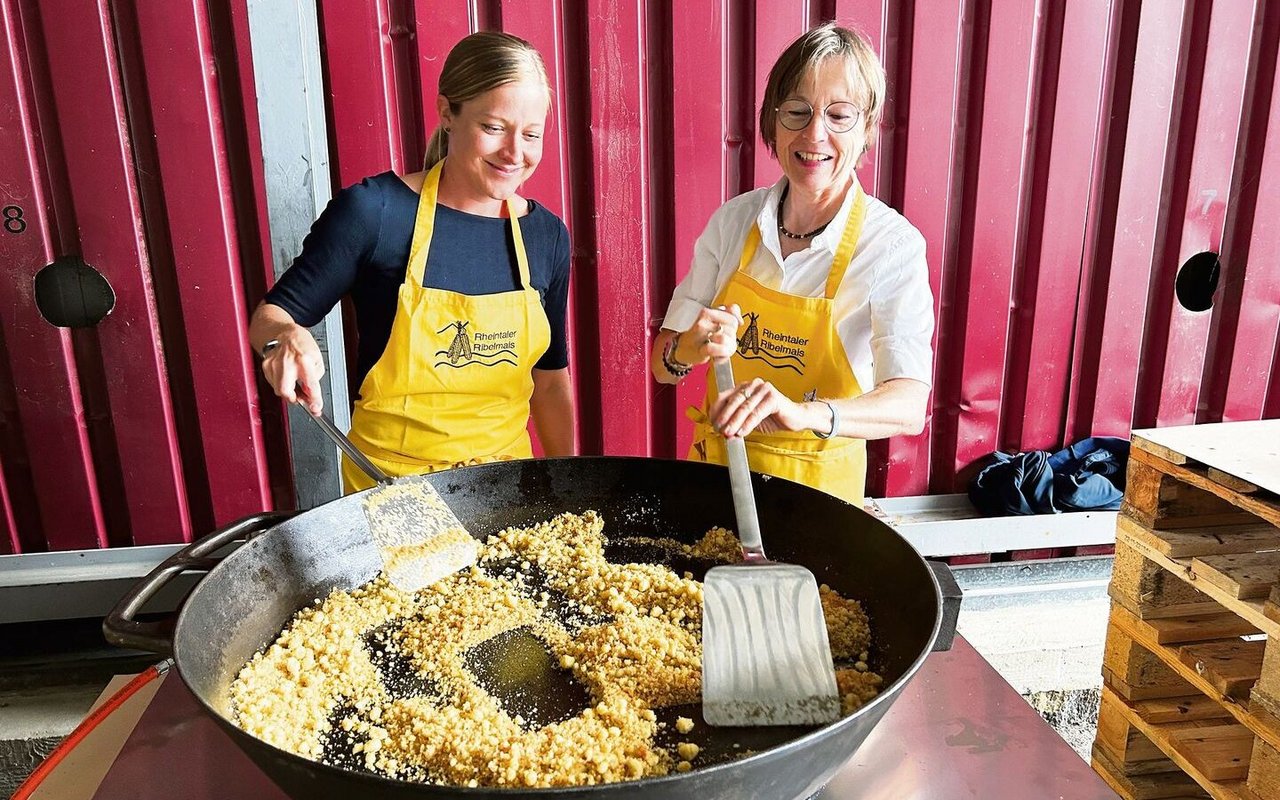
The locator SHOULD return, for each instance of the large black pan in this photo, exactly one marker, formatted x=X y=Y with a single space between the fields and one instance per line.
x=247 y=598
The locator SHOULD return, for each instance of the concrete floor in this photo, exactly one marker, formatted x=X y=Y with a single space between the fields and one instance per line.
x=1041 y=624
x=50 y=674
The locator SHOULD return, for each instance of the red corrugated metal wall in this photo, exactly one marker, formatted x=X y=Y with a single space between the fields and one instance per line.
x=123 y=146
x=1061 y=159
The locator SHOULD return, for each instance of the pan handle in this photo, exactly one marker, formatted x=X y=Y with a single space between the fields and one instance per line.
x=120 y=626
x=951 y=597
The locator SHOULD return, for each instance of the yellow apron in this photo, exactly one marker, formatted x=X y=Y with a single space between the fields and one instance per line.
x=454 y=383
x=791 y=342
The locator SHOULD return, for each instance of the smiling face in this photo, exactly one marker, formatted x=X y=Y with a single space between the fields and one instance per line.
x=495 y=141
x=815 y=160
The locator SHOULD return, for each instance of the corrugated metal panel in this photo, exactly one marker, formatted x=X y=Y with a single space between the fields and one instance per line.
x=1061 y=159
x=145 y=428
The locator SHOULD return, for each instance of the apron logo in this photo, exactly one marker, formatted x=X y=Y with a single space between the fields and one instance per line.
x=775 y=348
x=487 y=349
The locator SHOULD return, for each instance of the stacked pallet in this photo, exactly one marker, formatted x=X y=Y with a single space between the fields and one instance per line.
x=1191 y=670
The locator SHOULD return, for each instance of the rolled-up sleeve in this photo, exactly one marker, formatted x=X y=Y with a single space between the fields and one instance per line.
x=901 y=305
x=700 y=285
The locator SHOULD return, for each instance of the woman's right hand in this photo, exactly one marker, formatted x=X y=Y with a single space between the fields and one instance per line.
x=714 y=333
x=294 y=368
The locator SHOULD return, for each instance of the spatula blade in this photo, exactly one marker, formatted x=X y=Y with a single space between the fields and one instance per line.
x=419 y=537
x=766 y=659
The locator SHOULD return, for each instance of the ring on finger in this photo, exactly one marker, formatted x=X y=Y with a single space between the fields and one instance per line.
x=745 y=394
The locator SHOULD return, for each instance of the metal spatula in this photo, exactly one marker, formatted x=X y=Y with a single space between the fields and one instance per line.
x=419 y=537
x=766 y=659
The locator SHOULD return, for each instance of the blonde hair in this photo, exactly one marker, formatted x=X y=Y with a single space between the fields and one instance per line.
x=478 y=63
x=804 y=55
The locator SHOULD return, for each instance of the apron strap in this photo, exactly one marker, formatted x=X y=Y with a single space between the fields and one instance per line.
x=848 y=242
x=844 y=252
x=424 y=227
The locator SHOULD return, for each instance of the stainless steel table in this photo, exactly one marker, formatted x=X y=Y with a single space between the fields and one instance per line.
x=957 y=731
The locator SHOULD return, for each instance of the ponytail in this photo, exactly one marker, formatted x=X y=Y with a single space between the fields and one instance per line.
x=437 y=148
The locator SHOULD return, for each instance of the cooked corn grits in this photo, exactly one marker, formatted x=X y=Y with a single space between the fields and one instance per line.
x=629 y=633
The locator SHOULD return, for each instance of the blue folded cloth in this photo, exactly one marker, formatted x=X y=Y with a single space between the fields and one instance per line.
x=1086 y=476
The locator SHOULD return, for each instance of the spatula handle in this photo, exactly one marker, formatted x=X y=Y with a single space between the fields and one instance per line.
x=344 y=444
x=744 y=499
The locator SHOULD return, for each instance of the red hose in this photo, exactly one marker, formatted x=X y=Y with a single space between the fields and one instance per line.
x=86 y=727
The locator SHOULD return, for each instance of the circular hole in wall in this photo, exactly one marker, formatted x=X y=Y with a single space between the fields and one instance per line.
x=1197 y=281
x=72 y=294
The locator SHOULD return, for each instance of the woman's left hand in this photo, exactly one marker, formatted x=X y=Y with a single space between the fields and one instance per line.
x=756 y=405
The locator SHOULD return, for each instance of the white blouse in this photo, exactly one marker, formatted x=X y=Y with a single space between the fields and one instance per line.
x=883 y=308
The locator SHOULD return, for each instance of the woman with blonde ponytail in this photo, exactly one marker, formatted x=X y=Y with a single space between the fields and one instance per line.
x=460 y=285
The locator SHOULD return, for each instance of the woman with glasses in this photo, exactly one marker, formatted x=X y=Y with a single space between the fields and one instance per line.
x=818 y=293
x=459 y=284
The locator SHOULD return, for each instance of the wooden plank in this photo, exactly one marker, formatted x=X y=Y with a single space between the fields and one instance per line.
x=1176 y=709
x=1237 y=708
x=1265 y=506
x=1268 y=685
x=1135 y=693
x=1160 y=499
x=1170 y=784
x=1243 y=575
x=1122 y=743
x=1250 y=610
x=1202 y=540
x=1220 y=753
x=1194 y=747
x=1156 y=449
x=1232 y=666
x=1247 y=450
x=1264 y=770
x=1177 y=630
x=1151 y=591
x=1231 y=481
x=1136 y=672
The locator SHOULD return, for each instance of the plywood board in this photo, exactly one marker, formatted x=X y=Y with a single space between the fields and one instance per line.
x=1249 y=451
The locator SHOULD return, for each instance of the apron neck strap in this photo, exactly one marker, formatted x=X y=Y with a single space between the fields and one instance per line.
x=844 y=252
x=424 y=227
x=848 y=242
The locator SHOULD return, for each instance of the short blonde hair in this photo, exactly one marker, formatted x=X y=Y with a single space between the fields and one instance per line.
x=804 y=55
x=476 y=64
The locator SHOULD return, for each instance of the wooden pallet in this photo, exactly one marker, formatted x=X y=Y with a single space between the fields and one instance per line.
x=1191 y=697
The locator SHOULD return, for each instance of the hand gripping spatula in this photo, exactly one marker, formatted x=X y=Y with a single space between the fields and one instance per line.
x=419 y=537
x=766 y=659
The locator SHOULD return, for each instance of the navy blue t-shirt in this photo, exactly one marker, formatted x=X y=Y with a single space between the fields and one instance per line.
x=360 y=246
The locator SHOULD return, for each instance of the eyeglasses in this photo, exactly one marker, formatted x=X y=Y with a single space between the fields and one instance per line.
x=839 y=117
